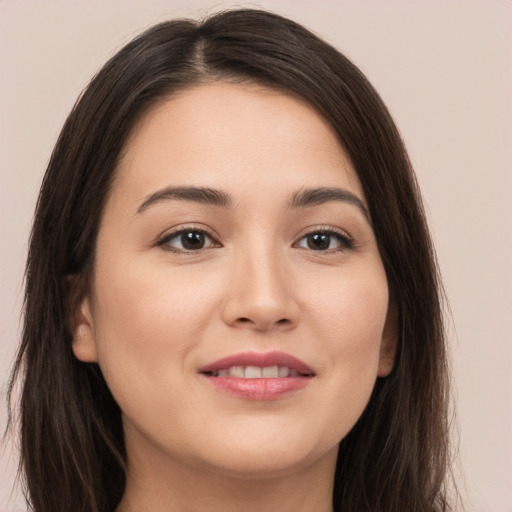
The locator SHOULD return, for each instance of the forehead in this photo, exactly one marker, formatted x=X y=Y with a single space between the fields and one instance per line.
x=234 y=137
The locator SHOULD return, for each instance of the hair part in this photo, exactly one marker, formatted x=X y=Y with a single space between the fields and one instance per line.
x=72 y=449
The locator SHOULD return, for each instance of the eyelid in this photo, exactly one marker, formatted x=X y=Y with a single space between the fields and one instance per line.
x=348 y=241
x=162 y=240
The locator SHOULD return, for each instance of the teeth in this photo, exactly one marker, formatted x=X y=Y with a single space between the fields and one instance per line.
x=271 y=372
x=284 y=371
x=237 y=371
x=255 y=372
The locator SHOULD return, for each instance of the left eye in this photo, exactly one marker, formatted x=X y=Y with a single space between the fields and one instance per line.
x=324 y=241
x=187 y=240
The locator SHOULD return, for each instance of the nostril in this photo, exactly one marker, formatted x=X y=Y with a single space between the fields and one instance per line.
x=245 y=320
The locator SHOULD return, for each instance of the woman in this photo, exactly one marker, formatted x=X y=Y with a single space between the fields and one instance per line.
x=232 y=301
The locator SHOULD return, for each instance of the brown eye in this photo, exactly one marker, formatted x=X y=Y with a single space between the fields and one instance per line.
x=192 y=240
x=319 y=241
x=324 y=241
x=187 y=240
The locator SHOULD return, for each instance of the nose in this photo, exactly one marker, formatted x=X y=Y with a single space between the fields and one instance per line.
x=260 y=293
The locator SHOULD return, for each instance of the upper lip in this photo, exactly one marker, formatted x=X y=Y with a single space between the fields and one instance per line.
x=261 y=359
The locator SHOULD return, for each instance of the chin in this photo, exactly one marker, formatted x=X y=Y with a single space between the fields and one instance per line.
x=269 y=453
x=264 y=464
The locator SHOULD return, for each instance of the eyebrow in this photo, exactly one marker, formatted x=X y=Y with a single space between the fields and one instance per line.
x=203 y=195
x=316 y=196
x=302 y=199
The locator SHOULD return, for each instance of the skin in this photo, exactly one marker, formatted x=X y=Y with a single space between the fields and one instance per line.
x=156 y=312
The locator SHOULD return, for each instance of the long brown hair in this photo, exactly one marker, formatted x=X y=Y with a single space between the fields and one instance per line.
x=72 y=449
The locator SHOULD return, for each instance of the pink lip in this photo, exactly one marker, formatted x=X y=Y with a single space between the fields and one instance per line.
x=257 y=359
x=260 y=388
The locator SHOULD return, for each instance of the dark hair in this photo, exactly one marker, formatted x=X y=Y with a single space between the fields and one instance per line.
x=72 y=449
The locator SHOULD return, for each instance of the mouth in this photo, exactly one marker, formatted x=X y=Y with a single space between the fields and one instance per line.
x=258 y=376
x=258 y=365
x=257 y=372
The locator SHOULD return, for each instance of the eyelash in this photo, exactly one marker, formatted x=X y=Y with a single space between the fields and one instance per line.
x=345 y=242
x=164 y=241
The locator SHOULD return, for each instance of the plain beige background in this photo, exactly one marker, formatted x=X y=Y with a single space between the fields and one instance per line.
x=445 y=71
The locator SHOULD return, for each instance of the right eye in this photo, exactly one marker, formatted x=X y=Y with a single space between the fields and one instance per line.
x=187 y=240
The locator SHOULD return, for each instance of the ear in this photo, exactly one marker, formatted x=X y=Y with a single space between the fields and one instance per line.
x=389 y=342
x=84 y=340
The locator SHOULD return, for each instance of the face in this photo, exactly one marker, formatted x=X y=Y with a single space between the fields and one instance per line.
x=239 y=305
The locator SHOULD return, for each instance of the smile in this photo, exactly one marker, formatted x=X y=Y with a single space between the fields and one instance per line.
x=258 y=376
x=256 y=372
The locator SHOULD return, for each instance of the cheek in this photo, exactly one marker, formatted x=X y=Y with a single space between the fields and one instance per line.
x=148 y=322
x=351 y=310
x=350 y=319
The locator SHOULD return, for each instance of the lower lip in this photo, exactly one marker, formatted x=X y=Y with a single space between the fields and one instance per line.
x=259 y=389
